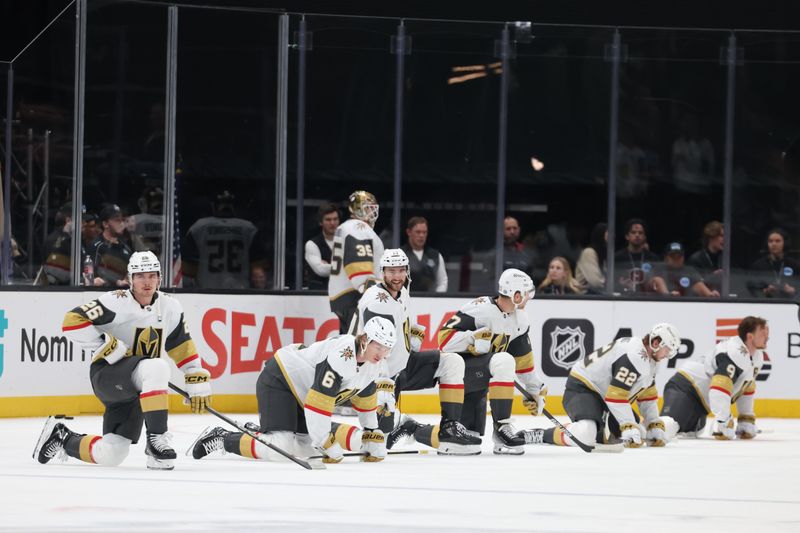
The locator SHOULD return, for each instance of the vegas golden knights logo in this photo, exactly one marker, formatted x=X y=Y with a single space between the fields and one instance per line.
x=147 y=342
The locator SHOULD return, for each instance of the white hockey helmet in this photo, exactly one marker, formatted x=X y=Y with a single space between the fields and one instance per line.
x=143 y=262
x=381 y=331
x=669 y=337
x=394 y=257
x=512 y=281
x=363 y=206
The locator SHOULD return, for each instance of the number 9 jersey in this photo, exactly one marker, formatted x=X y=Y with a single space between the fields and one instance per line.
x=621 y=372
x=355 y=260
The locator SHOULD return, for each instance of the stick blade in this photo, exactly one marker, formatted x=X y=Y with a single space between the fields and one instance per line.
x=315 y=464
x=608 y=448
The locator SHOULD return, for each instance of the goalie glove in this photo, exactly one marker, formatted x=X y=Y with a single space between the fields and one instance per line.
x=112 y=350
x=198 y=387
x=656 y=434
x=746 y=427
x=374 y=443
x=387 y=403
x=535 y=404
x=631 y=435
x=331 y=450
x=416 y=336
x=723 y=429
x=481 y=341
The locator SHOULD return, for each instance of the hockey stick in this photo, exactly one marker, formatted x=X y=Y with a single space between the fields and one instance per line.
x=242 y=429
x=391 y=452
x=607 y=448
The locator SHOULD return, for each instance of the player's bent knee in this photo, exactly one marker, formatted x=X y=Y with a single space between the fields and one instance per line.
x=451 y=368
x=111 y=450
x=151 y=374
x=584 y=430
x=502 y=366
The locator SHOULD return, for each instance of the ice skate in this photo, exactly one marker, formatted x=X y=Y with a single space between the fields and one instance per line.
x=531 y=436
x=455 y=439
x=506 y=440
x=160 y=455
x=51 y=442
x=209 y=441
x=405 y=430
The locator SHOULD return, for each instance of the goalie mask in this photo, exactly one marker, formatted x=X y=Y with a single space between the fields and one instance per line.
x=669 y=337
x=514 y=281
x=364 y=207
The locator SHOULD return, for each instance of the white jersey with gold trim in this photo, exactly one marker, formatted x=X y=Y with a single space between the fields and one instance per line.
x=378 y=301
x=355 y=259
x=148 y=330
x=621 y=372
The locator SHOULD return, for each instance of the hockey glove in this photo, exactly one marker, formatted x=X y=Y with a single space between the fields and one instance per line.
x=656 y=434
x=374 y=443
x=746 y=427
x=386 y=400
x=331 y=450
x=481 y=341
x=723 y=429
x=112 y=350
x=416 y=336
x=199 y=388
x=631 y=435
x=535 y=404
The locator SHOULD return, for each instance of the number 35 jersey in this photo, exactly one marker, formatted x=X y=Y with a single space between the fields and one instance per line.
x=355 y=260
x=145 y=330
x=621 y=372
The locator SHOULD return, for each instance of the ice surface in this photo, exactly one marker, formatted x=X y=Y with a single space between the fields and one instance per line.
x=691 y=485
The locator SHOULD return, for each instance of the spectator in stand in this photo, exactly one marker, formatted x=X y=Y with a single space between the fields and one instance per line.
x=258 y=277
x=56 y=269
x=319 y=249
x=514 y=253
x=708 y=260
x=775 y=274
x=426 y=264
x=590 y=272
x=634 y=263
x=109 y=252
x=559 y=278
x=676 y=278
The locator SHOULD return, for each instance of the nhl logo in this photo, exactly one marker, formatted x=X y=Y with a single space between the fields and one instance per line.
x=564 y=343
x=567 y=346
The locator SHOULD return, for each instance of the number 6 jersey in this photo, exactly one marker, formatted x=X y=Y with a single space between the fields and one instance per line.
x=621 y=372
x=354 y=261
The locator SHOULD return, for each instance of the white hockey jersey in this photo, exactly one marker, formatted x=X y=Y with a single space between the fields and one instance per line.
x=621 y=372
x=219 y=251
x=324 y=374
x=148 y=330
x=150 y=230
x=726 y=376
x=378 y=301
x=510 y=333
x=355 y=260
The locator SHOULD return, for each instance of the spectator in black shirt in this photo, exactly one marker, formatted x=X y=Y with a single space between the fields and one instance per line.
x=634 y=263
x=776 y=276
x=679 y=279
x=708 y=260
x=109 y=252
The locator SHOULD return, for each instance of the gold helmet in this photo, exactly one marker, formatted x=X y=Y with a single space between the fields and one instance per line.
x=364 y=206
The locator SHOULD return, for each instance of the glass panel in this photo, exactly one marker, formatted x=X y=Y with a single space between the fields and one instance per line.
x=124 y=134
x=225 y=147
x=669 y=160
x=350 y=102
x=766 y=194
x=41 y=169
x=450 y=148
x=558 y=154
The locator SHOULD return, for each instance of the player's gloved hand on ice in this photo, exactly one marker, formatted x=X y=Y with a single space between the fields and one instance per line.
x=631 y=435
x=656 y=434
x=536 y=404
x=386 y=400
x=746 y=427
x=198 y=386
x=481 y=341
x=374 y=443
x=330 y=449
x=416 y=336
x=112 y=350
x=723 y=429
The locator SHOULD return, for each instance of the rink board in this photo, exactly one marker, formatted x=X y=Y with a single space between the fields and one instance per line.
x=42 y=373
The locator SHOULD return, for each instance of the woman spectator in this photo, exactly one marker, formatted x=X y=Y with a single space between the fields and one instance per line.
x=776 y=276
x=559 y=278
x=590 y=272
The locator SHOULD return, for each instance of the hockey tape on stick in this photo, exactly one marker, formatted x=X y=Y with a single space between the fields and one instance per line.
x=364 y=454
x=246 y=431
x=602 y=448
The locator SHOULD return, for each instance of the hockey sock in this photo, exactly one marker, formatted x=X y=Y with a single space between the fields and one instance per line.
x=154 y=406
x=428 y=435
x=451 y=397
x=348 y=437
x=555 y=436
x=501 y=395
x=240 y=444
x=80 y=447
